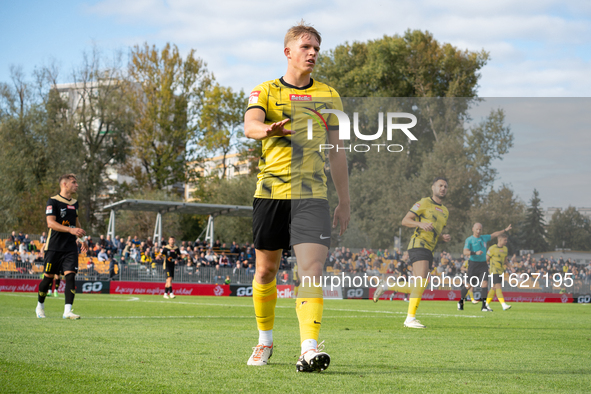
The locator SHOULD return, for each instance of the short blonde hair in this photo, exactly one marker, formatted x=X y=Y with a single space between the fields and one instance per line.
x=301 y=29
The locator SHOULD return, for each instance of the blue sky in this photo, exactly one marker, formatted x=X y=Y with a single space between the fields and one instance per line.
x=538 y=48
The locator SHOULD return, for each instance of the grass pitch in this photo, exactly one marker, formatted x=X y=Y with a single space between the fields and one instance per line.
x=201 y=344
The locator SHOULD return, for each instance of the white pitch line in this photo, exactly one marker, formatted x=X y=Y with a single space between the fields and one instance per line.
x=278 y=306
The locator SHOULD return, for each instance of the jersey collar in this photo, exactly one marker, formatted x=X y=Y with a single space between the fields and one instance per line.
x=434 y=202
x=67 y=199
x=308 y=86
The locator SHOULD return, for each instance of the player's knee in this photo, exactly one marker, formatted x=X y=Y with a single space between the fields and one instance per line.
x=265 y=274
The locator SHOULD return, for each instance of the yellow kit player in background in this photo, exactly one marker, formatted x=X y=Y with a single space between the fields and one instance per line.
x=290 y=207
x=496 y=257
x=428 y=217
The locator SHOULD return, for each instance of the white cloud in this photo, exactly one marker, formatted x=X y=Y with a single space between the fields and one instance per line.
x=251 y=33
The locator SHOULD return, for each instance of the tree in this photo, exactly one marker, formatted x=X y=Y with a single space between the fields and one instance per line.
x=221 y=122
x=166 y=94
x=497 y=210
x=33 y=138
x=423 y=77
x=569 y=229
x=533 y=233
x=97 y=109
x=412 y=65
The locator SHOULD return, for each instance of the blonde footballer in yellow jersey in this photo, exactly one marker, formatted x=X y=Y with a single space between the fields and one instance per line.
x=428 y=217
x=290 y=207
x=496 y=256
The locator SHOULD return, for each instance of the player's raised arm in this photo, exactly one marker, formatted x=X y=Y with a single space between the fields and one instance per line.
x=340 y=176
x=256 y=128
x=497 y=233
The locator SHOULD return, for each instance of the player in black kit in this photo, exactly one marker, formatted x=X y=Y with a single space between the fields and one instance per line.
x=61 y=251
x=171 y=254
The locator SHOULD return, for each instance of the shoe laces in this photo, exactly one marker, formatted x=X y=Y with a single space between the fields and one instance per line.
x=320 y=347
x=258 y=351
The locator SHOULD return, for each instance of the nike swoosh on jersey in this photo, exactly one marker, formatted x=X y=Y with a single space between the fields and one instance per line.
x=321 y=237
x=277 y=104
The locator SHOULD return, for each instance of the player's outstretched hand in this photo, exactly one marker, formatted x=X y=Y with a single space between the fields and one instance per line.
x=78 y=232
x=277 y=129
x=508 y=228
x=446 y=237
x=342 y=215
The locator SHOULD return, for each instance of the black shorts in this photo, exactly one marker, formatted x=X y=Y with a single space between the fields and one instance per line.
x=477 y=269
x=421 y=254
x=497 y=278
x=279 y=224
x=60 y=262
x=169 y=270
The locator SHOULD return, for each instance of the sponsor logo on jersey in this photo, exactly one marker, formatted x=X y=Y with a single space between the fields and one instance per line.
x=254 y=97
x=49 y=210
x=71 y=207
x=416 y=206
x=439 y=209
x=300 y=97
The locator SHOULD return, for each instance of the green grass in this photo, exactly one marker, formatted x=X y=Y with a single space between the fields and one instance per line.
x=201 y=344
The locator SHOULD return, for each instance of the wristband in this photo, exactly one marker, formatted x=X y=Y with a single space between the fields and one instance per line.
x=472 y=253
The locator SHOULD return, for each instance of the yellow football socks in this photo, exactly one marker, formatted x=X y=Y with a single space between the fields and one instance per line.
x=490 y=296
x=265 y=299
x=309 y=306
x=415 y=296
x=500 y=296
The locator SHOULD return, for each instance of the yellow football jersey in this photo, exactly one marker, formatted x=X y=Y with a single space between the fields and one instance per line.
x=497 y=259
x=292 y=166
x=428 y=210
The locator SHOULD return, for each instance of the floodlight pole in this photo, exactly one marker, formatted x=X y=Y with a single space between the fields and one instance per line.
x=111 y=230
x=209 y=235
x=158 y=230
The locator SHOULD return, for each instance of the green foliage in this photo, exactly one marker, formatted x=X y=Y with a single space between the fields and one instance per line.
x=497 y=210
x=37 y=147
x=412 y=65
x=569 y=229
x=98 y=111
x=221 y=122
x=384 y=185
x=166 y=94
x=425 y=75
x=532 y=234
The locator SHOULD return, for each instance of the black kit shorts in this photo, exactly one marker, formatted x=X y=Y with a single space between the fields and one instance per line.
x=496 y=278
x=59 y=262
x=421 y=254
x=169 y=269
x=478 y=269
x=279 y=224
